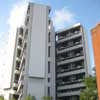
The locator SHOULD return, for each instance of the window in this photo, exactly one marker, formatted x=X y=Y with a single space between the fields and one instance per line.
x=48 y=79
x=49 y=37
x=49 y=67
x=49 y=51
x=48 y=91
x=18 y=53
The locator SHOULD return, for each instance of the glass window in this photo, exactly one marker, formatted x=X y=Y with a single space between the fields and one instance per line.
x=49 y=67
x=48 y=91
x=49 y=51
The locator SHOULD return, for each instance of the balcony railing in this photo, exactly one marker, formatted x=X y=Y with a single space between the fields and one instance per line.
x=20 y=42
x=68 y=93
x=71 y=73
x=67 y=35
x=62 y=70
x=71 y=86
x=21 y=83
x=15 y=95
x=70 y=60
x=17 y=71
x=15 y=85
x=69 y=49
x=69 y=57
x=69 y=45
x=69 y=82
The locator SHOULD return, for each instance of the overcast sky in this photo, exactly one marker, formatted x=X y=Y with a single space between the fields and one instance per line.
x=64 y=14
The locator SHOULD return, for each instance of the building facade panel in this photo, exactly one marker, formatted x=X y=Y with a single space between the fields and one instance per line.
x=96 y=41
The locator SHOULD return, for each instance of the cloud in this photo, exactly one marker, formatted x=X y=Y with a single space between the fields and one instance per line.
x=63 y=17
x=17 y=16
x=15 y=19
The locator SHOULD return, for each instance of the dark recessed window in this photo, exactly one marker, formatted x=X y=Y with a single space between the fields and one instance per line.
x=48 y=79
x=49 y=67
x=48 y=91
x=49 y=37
x=49 y=51
x=49 y=21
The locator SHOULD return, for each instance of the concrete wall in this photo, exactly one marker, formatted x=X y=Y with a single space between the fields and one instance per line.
x=38 y=39
x=36 y=88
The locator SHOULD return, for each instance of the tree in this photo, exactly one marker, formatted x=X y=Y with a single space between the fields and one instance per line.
x=29 y=97
x=1 y=97
x=46 y=98
x=90 y=92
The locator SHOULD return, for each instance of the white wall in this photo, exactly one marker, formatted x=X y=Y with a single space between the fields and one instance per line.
x=38 y=39
x=36 y=88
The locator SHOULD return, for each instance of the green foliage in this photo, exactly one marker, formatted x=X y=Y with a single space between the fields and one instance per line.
x=30 y=97
x=46 y=98
x=1 y=97
x=90 y=82
x=90 y=92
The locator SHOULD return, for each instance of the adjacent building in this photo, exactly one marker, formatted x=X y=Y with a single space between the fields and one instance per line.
x=96 y=46
x=34 y=55
x=72 y=62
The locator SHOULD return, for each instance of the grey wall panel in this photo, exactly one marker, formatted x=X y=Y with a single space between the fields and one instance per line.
x=36 y=88
x=38 y=38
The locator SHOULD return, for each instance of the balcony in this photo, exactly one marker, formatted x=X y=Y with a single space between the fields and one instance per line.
x=62 y=50
x=64 y=61
x=18 y=61
x=69 y=68
x=16 y=78
x=20 y=86
x=21 y=77
x=19 y=51
x=19 y=47
x=69 y=55
x=20 y=31
x=73 y=93
x=15 y=85
x=22 y=63
x=15 y=96
x=20 y=42
x=71 y=73
x=70 y=80
x=20 y=96
x=66 y=38
x=20 y=36
x=77 y=85
x=69 y=44
x=17 y=64
x=17 y=71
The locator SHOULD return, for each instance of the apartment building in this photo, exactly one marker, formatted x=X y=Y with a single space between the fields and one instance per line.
x=95 y=33
x=34 y=55
x=72 y=62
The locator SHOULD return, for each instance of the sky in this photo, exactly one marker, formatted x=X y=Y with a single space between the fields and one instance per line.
x=64 y=13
